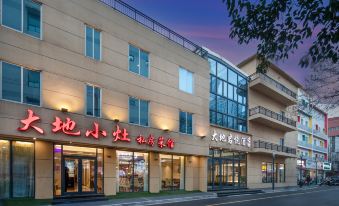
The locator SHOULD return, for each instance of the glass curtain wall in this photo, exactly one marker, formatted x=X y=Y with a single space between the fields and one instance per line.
x=172 y=172
x=228 y=96
x=16 y=166
x=132 y=171
x=268 y=173
x=226 y=170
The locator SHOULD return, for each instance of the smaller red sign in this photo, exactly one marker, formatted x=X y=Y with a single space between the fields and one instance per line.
x=66 y=127
x=95 y=132
x=28 y=122
x=121 y=135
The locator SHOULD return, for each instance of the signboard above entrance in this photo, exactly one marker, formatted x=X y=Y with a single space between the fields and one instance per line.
x=231 y=139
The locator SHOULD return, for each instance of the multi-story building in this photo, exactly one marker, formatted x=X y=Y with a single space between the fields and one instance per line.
x=98 y=98
x=333 y=133
x=273 y=158
x=312 y=149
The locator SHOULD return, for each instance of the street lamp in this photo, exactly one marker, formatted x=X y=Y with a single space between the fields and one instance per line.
x=316 y=170
x=273 y=180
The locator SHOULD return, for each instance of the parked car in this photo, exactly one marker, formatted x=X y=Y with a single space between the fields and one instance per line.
x=334 y=180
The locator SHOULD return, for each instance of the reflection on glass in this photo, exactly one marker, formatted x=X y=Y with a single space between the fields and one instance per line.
x=178 y=172
x=166 y=172
x=32 y=18
x=100 y=171
x=88 y=168
x=80 y=151
x=140 y=172
x=71 y=174
x=57 y=170
x=11 y=82
x=23 y=169
x=125 y=161
x=243 y=173
x=4 y=168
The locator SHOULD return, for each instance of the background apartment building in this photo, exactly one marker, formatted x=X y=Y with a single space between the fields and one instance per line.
x=273 y=157
x=333 y=133
x=312 y=149
x=97 y=98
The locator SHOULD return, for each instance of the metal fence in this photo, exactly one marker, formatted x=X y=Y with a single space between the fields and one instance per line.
x=273 y=82
x=274 y=115
x=273 y=147
x=155 y=26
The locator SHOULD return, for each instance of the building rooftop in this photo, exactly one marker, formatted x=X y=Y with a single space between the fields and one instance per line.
x=155 y=26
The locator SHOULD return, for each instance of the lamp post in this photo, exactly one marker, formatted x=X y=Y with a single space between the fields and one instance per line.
x=316 y=170
x=273 y=164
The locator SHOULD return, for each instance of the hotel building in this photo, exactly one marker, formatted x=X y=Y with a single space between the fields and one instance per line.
x=333 y=153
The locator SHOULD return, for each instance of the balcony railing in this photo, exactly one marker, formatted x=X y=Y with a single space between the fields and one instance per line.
x=153 y=25
x=320 y=134
x=304 y=144
x=273 y=82
x=274 y=115
x=321 y=149
x=274 y=147
x=305 y=128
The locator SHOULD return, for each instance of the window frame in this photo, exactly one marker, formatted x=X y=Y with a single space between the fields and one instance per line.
x=186 y=120
x=148 y=111
x=100 y=45
x=21 y=85
x=22 y=20
x=93 y=100
x=139 y=63
x=188 y=71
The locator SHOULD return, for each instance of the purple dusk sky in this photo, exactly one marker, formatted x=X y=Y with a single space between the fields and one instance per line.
x=206 y=23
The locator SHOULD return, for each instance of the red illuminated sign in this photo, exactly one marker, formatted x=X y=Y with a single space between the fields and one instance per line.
x=68 y=127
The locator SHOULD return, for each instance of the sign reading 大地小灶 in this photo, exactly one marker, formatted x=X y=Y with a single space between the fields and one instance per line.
x=231 y=139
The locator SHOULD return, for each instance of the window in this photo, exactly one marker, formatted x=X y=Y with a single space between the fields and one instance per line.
x=138 y=111
x=268 y=174
x=93 y=43
x=185 y=121
x=228 y=97
x=186 y=81
x=23 y=16
x=93 y=101
x=138 y=61
x=172 y=172
x=17 y=169
x=20 y=84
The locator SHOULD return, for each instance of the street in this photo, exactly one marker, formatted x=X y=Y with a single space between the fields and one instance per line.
x=322 y=196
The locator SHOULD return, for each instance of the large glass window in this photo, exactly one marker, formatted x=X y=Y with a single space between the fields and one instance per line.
x=185 y=80
x=93 y=101
x=138 y=61
x=138 y=111
x=185 y=122
x=268 y=173
x=4 y=168
x=20 y=84
x=172 y=172
x=93 y=43
x=22 y=15
x=228 y=98
x=23 y=169
x=132 y=171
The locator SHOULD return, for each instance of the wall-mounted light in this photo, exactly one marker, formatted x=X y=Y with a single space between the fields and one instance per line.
x=63 y=109
x=116 y=120
x=34 y=138
x=166 y=130
x=202 y=137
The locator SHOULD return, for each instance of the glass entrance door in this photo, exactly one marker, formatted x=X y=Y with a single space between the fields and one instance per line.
x=79 y=175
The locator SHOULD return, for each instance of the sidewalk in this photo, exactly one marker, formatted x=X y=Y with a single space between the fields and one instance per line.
x=290 y=189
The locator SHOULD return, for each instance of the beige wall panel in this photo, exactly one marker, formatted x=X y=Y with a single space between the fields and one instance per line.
x=43 y=170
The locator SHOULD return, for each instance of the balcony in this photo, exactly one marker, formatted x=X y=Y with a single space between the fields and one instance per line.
x=155 y=26
x=320 y=149
x=304 y=128
x=272 y=88
x=272 y=119
x=320 y=134
x=267 y=147
x=304 y=144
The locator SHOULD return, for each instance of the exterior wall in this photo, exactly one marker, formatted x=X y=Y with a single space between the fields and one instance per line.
x=110 y=166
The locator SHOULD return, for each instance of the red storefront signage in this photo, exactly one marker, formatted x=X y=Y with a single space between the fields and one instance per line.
x=68 y=127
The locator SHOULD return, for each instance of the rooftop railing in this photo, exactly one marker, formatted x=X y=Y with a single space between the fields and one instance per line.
x=274 y=147
x=274 y=115
x=153 y=25
x=273 y=82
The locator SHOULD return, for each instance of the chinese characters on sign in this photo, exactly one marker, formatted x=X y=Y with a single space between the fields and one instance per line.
x=230 y=139
x=68 y=127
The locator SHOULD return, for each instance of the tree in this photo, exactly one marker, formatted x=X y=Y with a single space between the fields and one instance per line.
x=281 y=26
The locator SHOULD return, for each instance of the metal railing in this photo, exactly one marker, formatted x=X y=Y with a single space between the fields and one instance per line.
x=321 y=149
x=304 y=144
x=273 y=147
x=320 y=134
x=273 y=82
x=274 y=115
x=155 y=26
x=304 y=127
